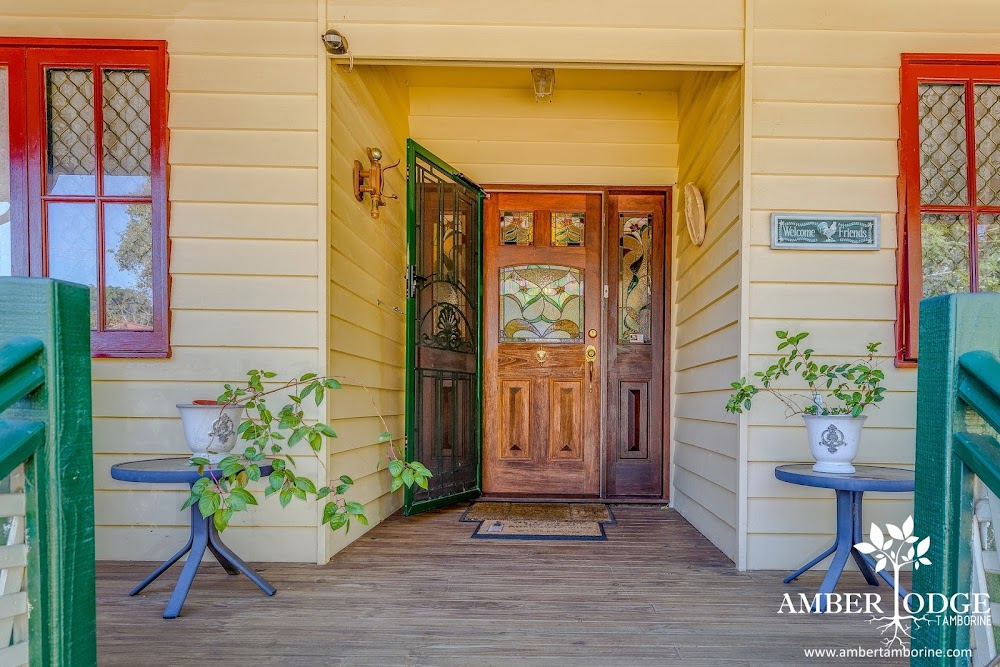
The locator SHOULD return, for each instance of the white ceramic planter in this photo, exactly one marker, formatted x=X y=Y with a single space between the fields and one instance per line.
x=210 y=430
x=834 y=440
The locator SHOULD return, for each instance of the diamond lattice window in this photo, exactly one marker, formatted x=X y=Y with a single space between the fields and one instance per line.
x=94 y=210
x=950 y=162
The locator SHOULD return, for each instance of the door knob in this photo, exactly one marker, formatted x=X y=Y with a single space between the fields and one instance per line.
x=591 y=356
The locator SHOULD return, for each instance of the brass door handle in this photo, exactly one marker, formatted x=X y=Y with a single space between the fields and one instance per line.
x=591 y=356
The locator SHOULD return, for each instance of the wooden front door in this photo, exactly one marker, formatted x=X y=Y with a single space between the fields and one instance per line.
x=542 y=370
x=576 y=340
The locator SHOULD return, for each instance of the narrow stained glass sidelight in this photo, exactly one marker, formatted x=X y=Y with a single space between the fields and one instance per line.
x=517 y=227
x=567 y=228
x=634 y=282
x=541 y=303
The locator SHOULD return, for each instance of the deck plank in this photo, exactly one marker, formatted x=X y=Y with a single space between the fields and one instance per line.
x=419 y=591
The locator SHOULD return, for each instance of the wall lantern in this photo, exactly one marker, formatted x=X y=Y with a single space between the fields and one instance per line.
x=374 y=177
x=543 y=80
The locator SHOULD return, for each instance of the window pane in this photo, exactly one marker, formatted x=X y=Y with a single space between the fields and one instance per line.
x=943 y=157
x=71 y=161
x=127 y=157
x=567 y=229
x=988 y=240
x=5 y=224
x=541 y=304
x=634 y=283
x=72 y=247
x=517 y=227
x=128 y=266
x=988 y=145
x=945 y=249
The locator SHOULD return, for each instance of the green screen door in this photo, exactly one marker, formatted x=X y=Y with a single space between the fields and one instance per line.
x=443 y=364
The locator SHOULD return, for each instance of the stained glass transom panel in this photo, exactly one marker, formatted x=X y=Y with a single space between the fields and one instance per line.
x=944 y=243
x=943 y=156
x=517 y=227
x=541 y=303
x=634 y=281
x=567 y=228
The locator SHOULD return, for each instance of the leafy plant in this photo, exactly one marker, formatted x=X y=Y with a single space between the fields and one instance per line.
x=271 y=435
x=834 y=389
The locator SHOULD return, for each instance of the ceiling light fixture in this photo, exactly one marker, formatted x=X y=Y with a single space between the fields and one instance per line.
x=543 y=80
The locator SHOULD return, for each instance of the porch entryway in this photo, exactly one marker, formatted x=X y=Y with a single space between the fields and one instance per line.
x=656 y=593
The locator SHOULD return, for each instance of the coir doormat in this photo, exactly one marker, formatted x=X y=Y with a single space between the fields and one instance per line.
x=539 y=521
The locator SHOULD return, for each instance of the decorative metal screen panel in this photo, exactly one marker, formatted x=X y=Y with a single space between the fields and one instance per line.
x=541 y=303
x=127 y=140
x=945 y=252
x=443 y=392
x=517 y=227
x=634 y=279
x=943 y=154
x=567 y=228
x=71 y=152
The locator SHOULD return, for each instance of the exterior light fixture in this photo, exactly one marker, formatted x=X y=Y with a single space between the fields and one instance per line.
x=543 y=80
x=374 y=177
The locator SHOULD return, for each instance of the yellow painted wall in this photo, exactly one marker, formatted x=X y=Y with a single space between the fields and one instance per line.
x=555 y=31
x=706 y=292
x=367 y=261
x=245 y=255
x=825 y=89
x=584 y=136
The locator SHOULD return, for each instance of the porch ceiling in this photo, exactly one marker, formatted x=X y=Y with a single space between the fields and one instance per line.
x=420 y=591
x=520 y=77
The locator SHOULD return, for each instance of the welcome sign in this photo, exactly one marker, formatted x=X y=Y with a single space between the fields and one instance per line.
x=800 y=231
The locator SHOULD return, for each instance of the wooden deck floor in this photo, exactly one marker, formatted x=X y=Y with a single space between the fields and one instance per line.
x=418 y=591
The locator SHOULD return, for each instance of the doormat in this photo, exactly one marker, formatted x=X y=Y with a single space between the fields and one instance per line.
x=539 y=521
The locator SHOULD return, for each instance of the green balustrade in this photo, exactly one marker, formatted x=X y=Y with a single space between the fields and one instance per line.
x=45 y=424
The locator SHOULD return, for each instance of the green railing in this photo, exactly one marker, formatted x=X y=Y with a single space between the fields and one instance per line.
x=958 y=414
x=47 y=592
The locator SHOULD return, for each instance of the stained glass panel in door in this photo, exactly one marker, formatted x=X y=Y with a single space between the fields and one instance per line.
x=541 y=303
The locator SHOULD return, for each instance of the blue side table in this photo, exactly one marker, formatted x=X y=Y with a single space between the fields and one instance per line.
x=849 y=489
x=178 y=470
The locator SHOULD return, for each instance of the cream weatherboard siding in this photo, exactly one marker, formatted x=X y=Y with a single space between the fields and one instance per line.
x=825 y=90
x=561 y=31
x=245 y=255
x=706 y=292
x=367 y=262
x=584 y=136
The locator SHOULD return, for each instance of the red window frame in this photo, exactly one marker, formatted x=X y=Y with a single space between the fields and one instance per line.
x=26 y=62
x=917 y=68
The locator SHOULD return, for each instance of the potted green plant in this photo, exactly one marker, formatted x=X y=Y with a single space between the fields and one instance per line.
x=833 y=410
x=270 y=435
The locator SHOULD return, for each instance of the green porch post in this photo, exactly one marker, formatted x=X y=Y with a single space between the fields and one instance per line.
x=949 y=327
x=59 y=478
